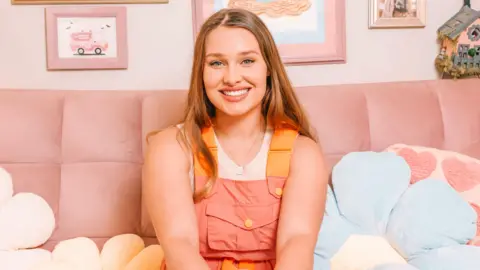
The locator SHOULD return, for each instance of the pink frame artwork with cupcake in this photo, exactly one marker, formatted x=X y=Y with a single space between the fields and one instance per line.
x=306 y=31
x=86 y=38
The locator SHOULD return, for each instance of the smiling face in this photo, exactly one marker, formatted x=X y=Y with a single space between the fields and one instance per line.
x=235 y=73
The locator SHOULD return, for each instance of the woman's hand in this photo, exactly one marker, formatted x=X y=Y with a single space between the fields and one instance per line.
x=303 y=207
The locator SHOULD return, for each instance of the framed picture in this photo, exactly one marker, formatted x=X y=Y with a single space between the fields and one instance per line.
x=86 y=38
x=397 y=14
x=305 y=31
x=75 y=2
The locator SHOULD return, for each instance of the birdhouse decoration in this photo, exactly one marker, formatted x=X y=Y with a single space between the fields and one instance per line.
x=460 y=44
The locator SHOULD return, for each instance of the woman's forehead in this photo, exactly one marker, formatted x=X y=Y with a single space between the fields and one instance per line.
x=229 y=40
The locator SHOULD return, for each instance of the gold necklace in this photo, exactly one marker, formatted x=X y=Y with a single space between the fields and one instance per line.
x=241 y=168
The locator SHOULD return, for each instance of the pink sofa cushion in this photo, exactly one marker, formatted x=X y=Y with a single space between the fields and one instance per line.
x=462 y=172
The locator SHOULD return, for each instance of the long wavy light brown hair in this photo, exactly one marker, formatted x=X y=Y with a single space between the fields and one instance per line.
x=279 y=106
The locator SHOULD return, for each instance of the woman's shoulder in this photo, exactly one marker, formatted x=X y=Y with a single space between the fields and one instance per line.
x=305 y=147
x=164 y=136
x=167 y=142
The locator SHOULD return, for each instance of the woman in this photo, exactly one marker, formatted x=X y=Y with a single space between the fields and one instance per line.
x=247 y=154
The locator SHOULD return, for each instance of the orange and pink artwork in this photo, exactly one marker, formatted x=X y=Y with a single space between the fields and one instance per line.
x=305 y=31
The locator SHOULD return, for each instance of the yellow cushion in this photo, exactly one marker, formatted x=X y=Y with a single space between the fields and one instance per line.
x=119 y=250
x=148 y=259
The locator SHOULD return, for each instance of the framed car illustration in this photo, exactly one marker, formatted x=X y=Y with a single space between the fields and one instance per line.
x=86 y=38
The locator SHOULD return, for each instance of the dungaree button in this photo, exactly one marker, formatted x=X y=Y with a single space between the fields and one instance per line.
x=279 y=191
x=248 y=223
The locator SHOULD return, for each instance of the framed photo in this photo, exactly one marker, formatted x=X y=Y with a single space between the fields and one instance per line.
x=397 y=14
x=86 y=38
x=75 y=2
x=305 y=31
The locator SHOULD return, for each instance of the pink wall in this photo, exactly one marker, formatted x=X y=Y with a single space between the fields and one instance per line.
x=160 y=48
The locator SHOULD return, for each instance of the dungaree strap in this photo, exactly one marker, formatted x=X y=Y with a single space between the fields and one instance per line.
x=208 y=135
x=279 y=154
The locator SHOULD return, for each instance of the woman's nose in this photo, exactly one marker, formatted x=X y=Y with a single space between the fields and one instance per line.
x=232 y=75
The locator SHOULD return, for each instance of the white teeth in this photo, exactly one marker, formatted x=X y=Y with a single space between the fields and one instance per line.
x=236 y=93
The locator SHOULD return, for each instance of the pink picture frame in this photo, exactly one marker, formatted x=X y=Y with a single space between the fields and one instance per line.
x=319 y=38
x=86 y=38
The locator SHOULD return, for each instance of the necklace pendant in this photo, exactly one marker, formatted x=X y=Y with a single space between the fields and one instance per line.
x=240 y=170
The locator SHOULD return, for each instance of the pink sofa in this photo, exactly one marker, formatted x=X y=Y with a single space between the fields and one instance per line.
x=82 y=150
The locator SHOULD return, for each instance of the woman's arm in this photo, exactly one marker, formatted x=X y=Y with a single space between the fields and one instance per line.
x=303 y=206
x=168 y=194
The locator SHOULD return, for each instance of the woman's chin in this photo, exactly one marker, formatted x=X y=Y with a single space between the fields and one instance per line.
x=238 y=109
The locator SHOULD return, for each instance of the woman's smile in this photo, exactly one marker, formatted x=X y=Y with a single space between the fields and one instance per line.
x=235 y=94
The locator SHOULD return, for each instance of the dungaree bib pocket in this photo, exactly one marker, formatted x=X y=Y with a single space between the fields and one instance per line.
x=241 y=227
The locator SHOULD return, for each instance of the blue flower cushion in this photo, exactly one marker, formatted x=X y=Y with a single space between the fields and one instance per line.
x=372 y=195
x=431 y=225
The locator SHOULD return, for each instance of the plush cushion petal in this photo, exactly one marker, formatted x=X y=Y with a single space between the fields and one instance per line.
x=150 y=258
x=320 y=263
x=367 y=185
x=54 y=265
x=331 y=207
x=458 y=257
x=81 y=252
x=26 y=221
x=394 y=266
x=334 y=232
x=23 y=259
x=362 y=252
x=430 y=215
x=119 y=250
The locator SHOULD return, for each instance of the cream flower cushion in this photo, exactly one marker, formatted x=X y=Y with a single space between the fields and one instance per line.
x=23 y=259
x=121 y=252
x=460 y=171
x=26 y=222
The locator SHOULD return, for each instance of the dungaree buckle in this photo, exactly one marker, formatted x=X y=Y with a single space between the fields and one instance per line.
x=229 y=264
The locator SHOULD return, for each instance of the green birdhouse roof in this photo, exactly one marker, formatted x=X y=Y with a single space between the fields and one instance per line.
x=458 y=23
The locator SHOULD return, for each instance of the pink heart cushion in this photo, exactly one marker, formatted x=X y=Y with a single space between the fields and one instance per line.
x=461 y=171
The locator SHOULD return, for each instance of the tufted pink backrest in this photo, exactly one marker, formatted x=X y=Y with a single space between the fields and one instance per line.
x=83 y=150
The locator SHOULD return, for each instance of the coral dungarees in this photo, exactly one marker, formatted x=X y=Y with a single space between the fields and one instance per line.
x=238 y=219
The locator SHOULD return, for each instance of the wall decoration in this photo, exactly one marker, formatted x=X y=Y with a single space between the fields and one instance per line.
x=75 y=2
x=86 y=38
x=397 y=13
x=460 y=44
x=306 y=31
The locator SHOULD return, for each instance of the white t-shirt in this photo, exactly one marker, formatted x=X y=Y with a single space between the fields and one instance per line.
x=228 y=169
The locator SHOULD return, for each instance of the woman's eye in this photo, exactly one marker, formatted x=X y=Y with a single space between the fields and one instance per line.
x=215 y=63
x=248 y=61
